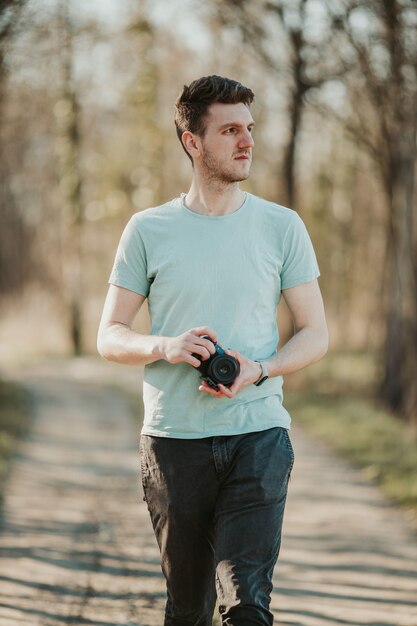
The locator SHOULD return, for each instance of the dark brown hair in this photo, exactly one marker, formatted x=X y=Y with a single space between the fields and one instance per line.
x=192 y=104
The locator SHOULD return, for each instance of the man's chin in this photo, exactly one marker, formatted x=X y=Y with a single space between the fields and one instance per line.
x=231 y=176
x=242 y=177
x=237 y=178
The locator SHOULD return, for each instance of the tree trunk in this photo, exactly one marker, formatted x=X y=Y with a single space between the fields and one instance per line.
x=399 y=385
x=15 y=237
x=72 y=214
x=296 y=107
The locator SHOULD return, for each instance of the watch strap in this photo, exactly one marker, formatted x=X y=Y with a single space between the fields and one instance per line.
x=264 y=376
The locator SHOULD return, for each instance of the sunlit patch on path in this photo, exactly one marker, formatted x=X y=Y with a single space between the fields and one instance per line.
x=77 y=547
x=76 y=543
x=348 y=557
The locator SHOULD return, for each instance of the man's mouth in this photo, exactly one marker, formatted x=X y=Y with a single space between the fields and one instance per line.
x=242 y=157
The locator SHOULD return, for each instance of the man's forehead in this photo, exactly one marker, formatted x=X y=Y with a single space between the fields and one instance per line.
x=225 y=114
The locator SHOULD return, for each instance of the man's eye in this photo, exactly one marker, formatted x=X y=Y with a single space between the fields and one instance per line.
x=229 y=131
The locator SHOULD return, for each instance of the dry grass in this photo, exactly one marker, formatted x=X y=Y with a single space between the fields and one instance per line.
x=335 y=400
x=14 y=422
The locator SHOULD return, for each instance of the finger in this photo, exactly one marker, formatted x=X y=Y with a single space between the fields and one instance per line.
x=205 y=330
x=234 y=353
x=227 y=391
x=204 y=386
x=200 y=349
x=192 y=360
x=210 y=390
x=206 y=343
x=236 y=385
x=234 y=388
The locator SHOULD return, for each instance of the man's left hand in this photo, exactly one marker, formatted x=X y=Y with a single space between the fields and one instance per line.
x=250 y=372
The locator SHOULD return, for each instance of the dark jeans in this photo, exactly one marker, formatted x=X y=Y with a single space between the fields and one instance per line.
x=217 y=507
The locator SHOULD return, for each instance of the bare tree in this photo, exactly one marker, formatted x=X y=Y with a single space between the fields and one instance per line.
x=67 y=114
x=382 y=90
x=9 y=15
x=372 y=46
x=294 y=61
x=143 y=98
x=14 y=237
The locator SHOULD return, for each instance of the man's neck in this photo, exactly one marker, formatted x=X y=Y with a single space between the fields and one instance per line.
x=214 y=200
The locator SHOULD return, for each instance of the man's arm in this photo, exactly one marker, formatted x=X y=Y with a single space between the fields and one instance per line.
x=309 y=343
x=311 y=338
x=116 y=341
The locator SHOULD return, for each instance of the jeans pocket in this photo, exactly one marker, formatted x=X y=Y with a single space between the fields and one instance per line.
x=290 y=451
x=144 y=472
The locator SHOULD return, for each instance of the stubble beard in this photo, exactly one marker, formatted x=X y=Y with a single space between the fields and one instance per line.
x=214 y=171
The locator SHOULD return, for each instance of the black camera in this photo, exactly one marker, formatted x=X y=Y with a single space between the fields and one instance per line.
x=218 y=368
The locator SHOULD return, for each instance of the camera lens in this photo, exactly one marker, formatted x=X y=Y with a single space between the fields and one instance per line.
x=224 y=369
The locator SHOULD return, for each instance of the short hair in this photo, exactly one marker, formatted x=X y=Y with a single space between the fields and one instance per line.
x=191 y=106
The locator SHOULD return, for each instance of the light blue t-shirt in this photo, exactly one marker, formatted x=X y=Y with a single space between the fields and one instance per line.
x=225 y=272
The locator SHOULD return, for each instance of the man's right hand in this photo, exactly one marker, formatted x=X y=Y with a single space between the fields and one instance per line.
x=180 y=349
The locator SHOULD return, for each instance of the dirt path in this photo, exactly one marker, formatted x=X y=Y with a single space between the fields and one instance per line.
x=77 y=547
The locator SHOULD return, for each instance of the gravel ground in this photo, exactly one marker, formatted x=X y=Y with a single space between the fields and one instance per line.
x=77 y=547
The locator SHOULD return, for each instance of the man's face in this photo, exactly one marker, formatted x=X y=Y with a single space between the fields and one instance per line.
x=226 y=148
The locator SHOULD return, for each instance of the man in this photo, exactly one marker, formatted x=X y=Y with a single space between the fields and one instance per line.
x=213 y=263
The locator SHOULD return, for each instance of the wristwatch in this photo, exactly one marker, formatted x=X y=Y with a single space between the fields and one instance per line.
x=264 y=376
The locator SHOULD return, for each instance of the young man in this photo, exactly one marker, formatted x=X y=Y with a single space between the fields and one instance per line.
x=214 y=262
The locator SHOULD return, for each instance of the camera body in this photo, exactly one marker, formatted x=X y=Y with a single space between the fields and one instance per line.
x=218 y=368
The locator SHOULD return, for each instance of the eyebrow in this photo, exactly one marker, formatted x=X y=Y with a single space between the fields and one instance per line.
x=235 y=124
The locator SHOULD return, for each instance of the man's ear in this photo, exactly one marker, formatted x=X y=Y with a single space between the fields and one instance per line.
x=190 y=143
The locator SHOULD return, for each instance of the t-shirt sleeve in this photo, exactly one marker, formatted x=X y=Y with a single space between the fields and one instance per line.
x=130 y=264
x=300 y=262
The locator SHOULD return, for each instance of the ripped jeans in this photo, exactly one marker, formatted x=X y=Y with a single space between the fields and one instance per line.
x=217 y=507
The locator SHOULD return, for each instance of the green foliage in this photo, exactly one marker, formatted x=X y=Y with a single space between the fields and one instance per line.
x=14 y=422
x=336 y=402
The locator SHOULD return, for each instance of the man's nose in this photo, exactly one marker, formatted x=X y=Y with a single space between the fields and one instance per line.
x=246 y=140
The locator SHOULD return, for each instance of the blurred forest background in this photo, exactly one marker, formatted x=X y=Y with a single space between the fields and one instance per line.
x=87 y=138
